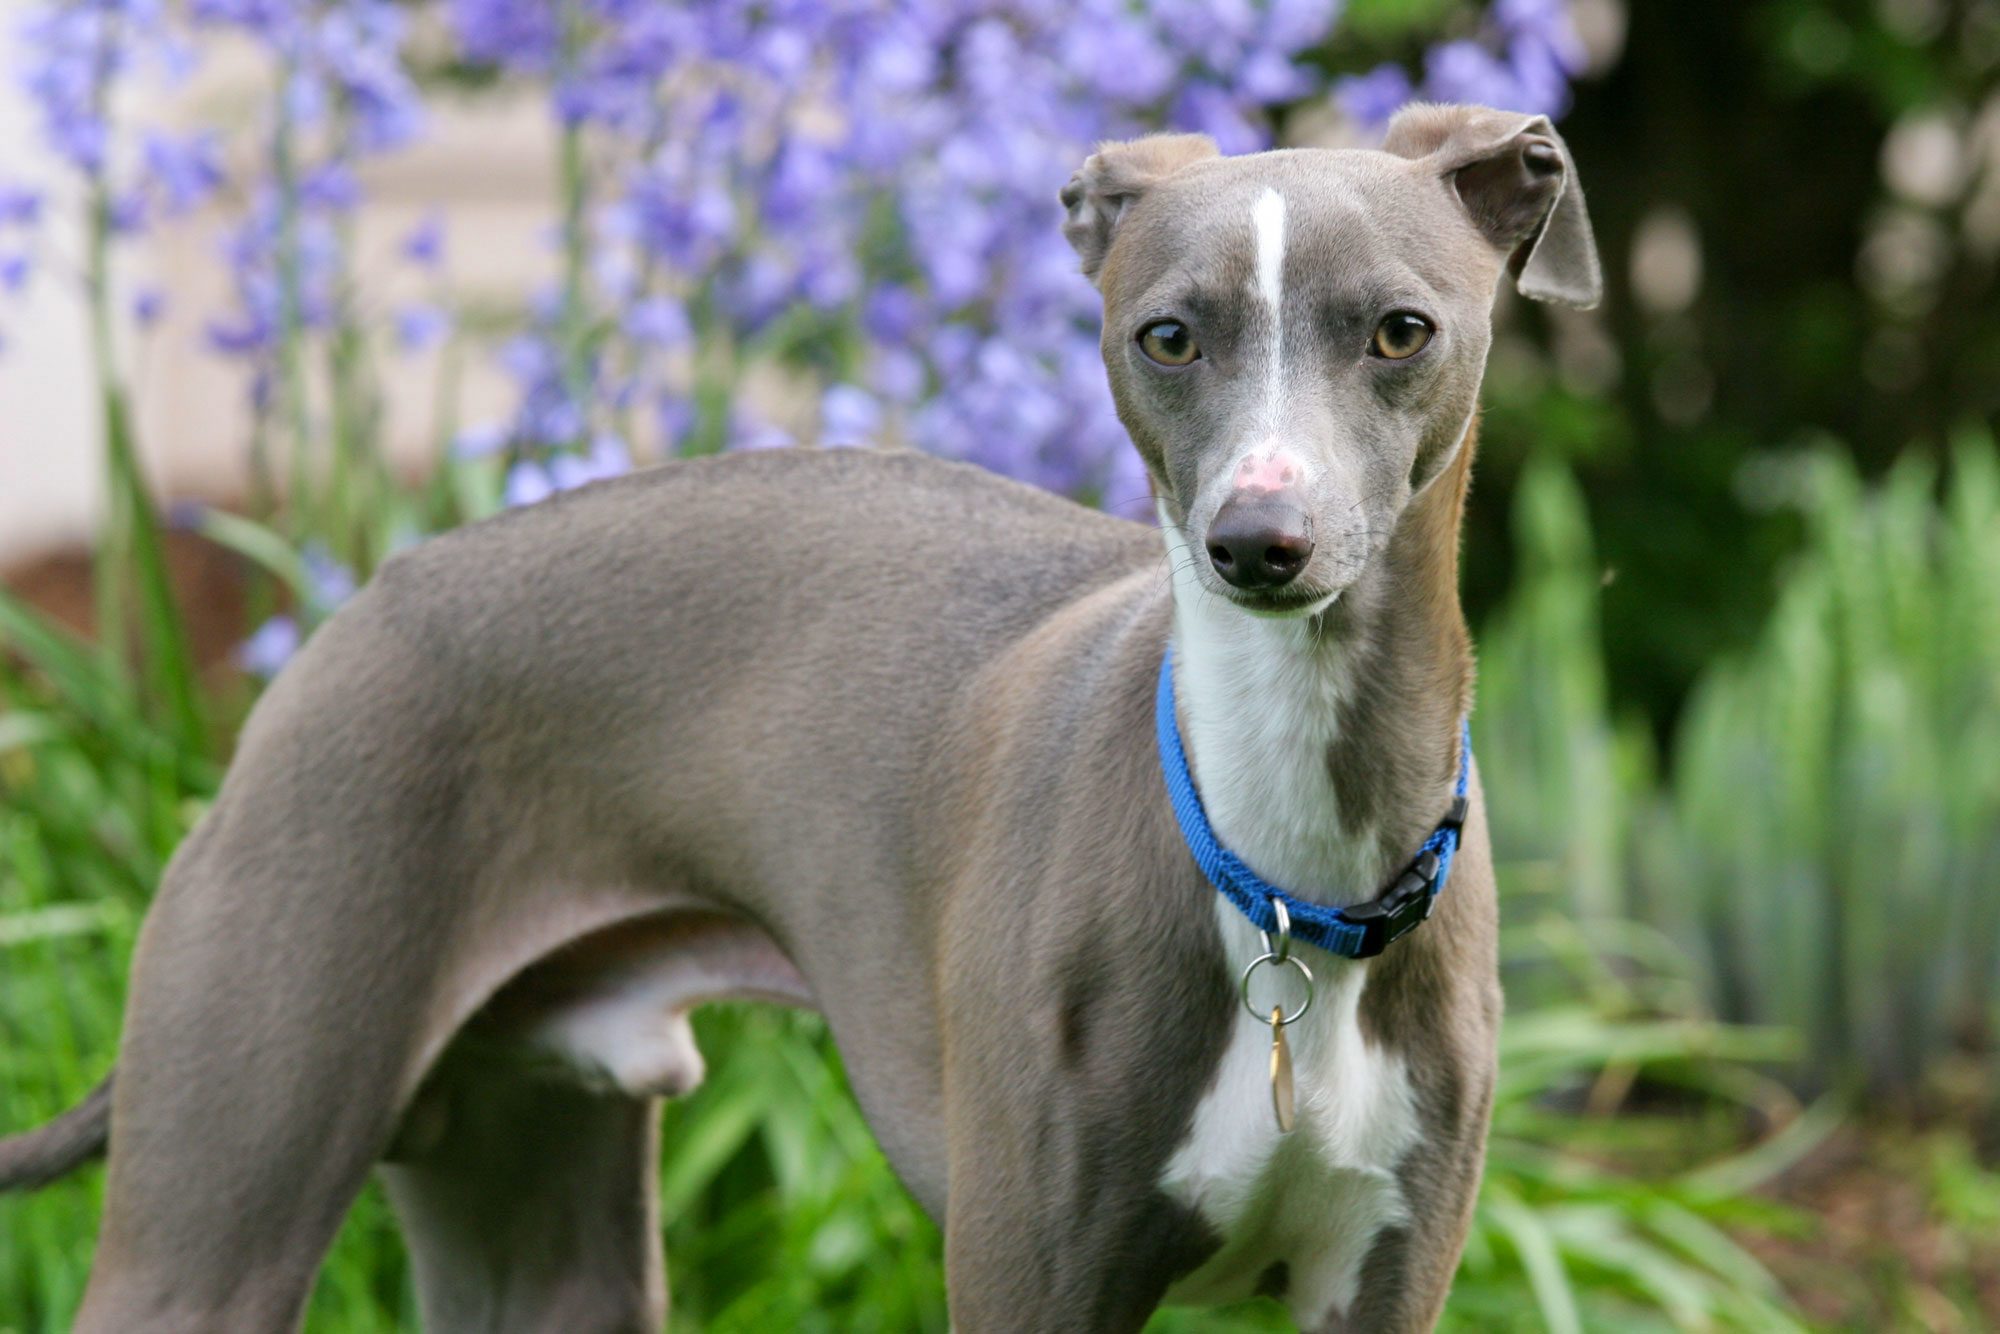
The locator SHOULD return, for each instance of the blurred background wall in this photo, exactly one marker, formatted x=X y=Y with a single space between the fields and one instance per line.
x=487 y=161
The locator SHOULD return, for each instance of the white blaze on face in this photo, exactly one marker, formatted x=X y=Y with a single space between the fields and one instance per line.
x=1267 y=218
x=1269 y=215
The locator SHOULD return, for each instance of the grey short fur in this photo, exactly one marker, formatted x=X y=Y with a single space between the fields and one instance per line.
x=866 y=731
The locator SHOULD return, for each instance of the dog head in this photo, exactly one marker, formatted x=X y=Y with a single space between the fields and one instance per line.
x=1295 y=339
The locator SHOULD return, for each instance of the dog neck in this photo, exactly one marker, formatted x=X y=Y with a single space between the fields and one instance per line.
x=1325 y=747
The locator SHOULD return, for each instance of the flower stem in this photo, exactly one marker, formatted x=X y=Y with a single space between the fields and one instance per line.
x=354 y=479
x=130 y=556
x=573 y=333
x=291 y=387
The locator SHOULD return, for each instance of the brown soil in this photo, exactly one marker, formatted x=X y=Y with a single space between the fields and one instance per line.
x=1880 y=1251
x=210 y=583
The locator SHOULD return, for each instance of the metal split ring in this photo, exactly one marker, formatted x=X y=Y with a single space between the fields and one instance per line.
x=1276 y=960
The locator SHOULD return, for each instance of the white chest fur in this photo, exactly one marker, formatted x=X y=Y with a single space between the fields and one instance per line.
x=1260 y=706
x=1315 y=1199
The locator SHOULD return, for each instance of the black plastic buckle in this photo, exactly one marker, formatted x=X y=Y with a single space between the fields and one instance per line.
x=1405 y=906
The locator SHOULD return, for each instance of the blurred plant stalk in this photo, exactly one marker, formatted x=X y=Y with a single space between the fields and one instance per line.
x=1825 y=838
x=1832 y=840
x=131 y=572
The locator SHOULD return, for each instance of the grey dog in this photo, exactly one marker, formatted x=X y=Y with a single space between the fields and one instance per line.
x=873 y=733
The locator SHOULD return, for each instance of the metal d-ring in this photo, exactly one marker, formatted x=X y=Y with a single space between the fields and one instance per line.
x=1282 y=951
x=1276 y=960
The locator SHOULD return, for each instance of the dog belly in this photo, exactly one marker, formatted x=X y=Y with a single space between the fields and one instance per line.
x=611 y=1011
x=1298 y=1213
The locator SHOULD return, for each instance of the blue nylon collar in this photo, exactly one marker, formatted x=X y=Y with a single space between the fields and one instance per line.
x=1357 y=932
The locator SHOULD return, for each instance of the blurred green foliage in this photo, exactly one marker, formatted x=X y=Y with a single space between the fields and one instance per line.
x=1826 y=838
x=1833 y=842
x=1836 y=166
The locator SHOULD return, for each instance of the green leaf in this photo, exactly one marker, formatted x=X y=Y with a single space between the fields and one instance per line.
x=1536 y=1248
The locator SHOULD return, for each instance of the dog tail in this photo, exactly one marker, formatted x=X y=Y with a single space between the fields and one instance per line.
x=34 y=1158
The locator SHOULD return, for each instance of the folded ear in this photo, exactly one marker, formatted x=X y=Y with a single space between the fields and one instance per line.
x=1513 y=174
x=1110 y=179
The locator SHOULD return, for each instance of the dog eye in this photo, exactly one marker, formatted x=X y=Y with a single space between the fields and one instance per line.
x=1169 y=343
x=1402 y=335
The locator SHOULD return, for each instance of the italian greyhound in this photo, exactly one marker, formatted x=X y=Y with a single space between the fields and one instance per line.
x=554 y=779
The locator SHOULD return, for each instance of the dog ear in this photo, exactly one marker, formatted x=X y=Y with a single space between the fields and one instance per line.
x=1513 y=174
x=1108 y=182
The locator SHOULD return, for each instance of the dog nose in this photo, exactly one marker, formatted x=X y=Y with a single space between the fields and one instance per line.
x=1259 y=540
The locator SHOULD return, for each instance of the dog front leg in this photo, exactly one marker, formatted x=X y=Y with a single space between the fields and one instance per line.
x=1055 y=1220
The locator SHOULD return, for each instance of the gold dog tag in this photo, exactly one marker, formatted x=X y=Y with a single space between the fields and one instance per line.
x=1281 y=1072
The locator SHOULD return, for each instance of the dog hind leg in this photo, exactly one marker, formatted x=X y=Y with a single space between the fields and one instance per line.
x=262 y=1072
x=535 y=1208
x=312 y=946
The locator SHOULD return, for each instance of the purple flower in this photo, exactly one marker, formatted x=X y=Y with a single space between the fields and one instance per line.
x=746 y=432
x=530 y=481
x=127 y=213
x=418 y=326
x=264 y=653
x=527 y=483
x=184 y=171
x=238 y=337
x=358 y=53
x=782 y=178
x=1268 y=77
x=606 y=457
x=423 y=244
x=676 y=417
x=658 y=321
x=273 y=21
x=1465 y=71
x=1209 y=109
x=1544 y=24
x=14 y=271
x=849 y=415
x=71 y=51
x=19 y=206
x=1372 y=98
x=331 y=186
x=476 y=442
x=521 y=34
x=148 y=305
x=616 y=274
x=891 y=313
x=553 y=419
x=1121 y=58
x=1299 y=25
x=897 y=373
x=1539 y=76
x=84 y=141
x=529 y=359
x=328 y=582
